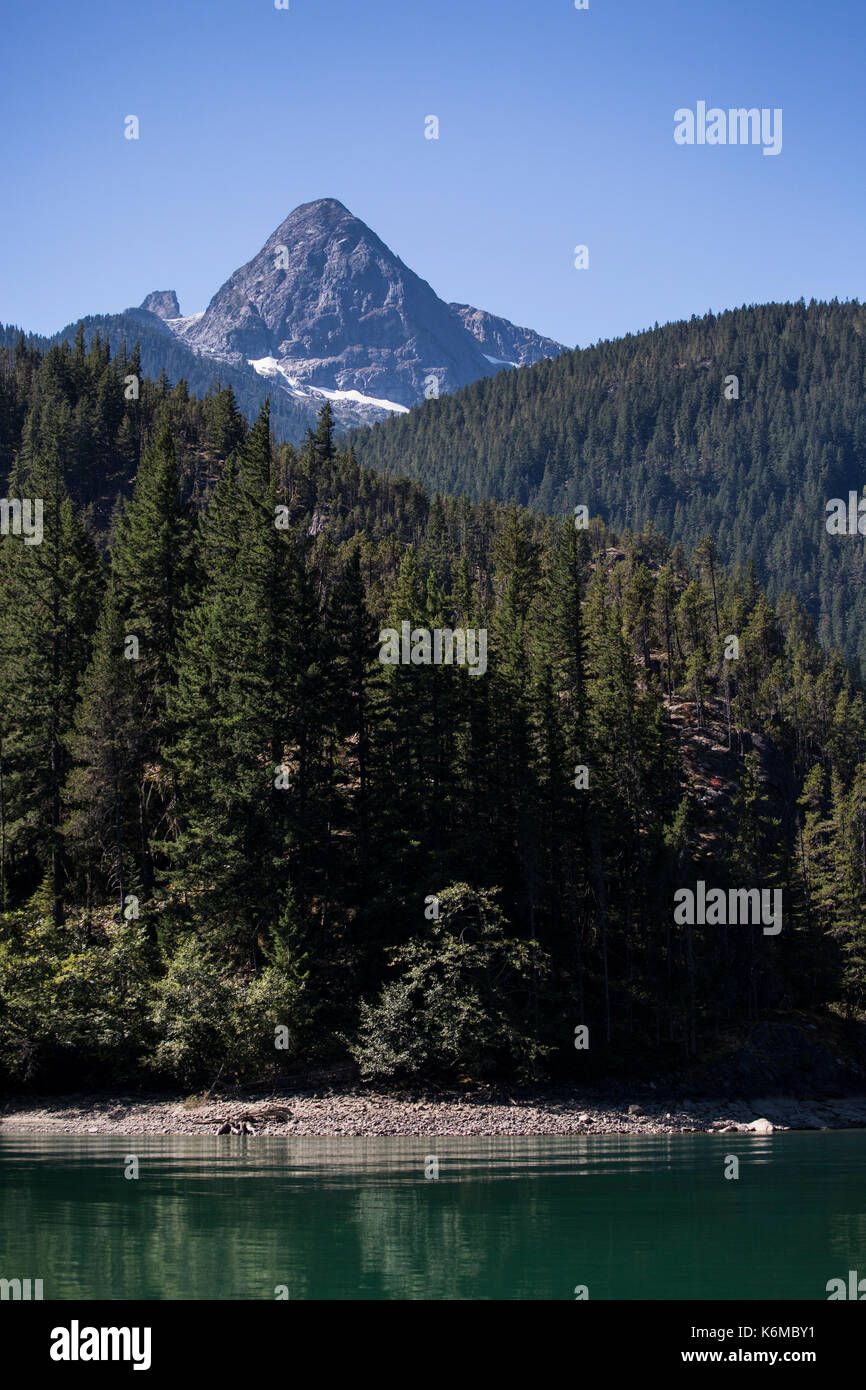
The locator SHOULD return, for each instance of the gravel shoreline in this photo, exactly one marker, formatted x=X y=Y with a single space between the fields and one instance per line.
x=363 y=1114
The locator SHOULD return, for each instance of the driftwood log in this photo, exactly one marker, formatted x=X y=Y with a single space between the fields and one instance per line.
x=245 y=1122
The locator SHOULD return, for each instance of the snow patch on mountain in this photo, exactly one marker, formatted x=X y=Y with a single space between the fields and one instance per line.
x=369 y=407
x=359 y=399
x=266 y=366
x=326 y=311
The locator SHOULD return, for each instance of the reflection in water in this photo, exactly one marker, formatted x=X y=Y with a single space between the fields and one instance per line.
x=514 y=1218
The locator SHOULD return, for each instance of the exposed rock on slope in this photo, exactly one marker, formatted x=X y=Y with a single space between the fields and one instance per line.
x=163 y=303
x=325 y=304
x=503 y=343
x=325 y=310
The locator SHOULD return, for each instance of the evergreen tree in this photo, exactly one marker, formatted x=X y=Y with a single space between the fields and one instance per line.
x=49 y=592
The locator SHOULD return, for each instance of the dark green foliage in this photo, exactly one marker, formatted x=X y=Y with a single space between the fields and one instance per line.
x=122 y=796
x=461 y=1001
x=158 y=352
x=243 y=828
x=49 y=596
x=209 y=1023
x=79 y=403
x=76 y=1002
x=639 y=429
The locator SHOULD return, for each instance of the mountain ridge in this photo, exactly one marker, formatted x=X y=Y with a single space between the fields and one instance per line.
x=326 y=306
x=741 y=425
x=352 y=324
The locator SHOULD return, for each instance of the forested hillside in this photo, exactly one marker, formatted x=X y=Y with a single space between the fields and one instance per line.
x=651 y=427
x=231 y=838
x=137 y=338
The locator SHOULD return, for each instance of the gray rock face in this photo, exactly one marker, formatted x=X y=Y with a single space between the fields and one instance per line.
x=163 y=303
x=326 y=305
x=503 y=341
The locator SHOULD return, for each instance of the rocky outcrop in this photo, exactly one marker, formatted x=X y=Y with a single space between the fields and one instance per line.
x=326 y=305
x=163 y=303
x=504 y=342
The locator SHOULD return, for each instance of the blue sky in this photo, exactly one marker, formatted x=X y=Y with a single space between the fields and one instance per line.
x=556 y=128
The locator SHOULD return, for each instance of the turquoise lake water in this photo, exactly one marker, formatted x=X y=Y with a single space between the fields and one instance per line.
x=507 y=1218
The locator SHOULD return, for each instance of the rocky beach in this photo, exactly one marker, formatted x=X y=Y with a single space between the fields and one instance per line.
x=360 y=1113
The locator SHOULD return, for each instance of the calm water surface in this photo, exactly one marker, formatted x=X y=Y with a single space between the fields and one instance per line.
x=507 y=1218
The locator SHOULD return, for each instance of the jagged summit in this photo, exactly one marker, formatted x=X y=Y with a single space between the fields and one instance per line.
x=327 y=206
x=508 y=345
x=163 y=303
x=327 y=306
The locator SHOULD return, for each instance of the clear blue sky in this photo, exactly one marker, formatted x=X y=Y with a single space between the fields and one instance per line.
x=556 y=128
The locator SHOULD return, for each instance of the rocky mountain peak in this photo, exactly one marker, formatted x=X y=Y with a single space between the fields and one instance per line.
x=504 y=343
x=163 y=303
x=326 y=308
x=330 y=305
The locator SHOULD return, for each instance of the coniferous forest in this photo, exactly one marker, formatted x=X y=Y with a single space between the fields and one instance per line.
x=742 y=424
x=232 y=840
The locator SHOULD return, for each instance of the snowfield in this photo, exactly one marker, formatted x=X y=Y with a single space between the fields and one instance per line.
x=270 y=367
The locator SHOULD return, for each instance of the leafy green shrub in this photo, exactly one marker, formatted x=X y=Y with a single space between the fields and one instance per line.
x=74 y=1000
x=211 y=1022
x=462 y=1001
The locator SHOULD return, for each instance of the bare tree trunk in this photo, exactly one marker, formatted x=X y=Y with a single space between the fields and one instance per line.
x=601 y=892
